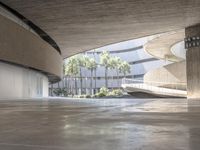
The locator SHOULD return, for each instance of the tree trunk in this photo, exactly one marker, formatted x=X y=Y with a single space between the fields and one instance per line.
x=117 y=78
x=91 y=79
x=95 y=83
x=71 y=85
x=76 y=88
x=63 y=82
x=66 y=84
x=81 y=81
x=112 y=80
x=59 y=84
x=106 y=77
x=95 y=74
x=124 y=75
x=63 y=86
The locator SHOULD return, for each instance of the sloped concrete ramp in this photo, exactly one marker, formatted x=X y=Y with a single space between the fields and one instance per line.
x=154 y=90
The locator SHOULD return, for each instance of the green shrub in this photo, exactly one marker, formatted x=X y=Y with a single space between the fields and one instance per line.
x=81 y=96
x=100 y=94
x=93 y=96
x=87 y=96
x=60 y=92
x=104 y=91
x=117 y=92
x=57 y=91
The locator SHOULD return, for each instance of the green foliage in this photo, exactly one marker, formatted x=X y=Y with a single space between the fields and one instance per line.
x=116 y=92
x=88 y=96
x=105 y=61
x=82 y=60
x=103 y=92
x=93 y=96
x=104 y=58
x=91 y=63
x=83 y=96
x=60 y=92
x=124 y=68
x=72 y=66
x=100 y=95
x=114 y=62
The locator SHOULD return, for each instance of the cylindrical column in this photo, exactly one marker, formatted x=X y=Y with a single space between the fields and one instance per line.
x=192 y=44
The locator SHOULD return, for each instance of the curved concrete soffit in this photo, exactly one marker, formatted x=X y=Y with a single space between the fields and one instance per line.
x=179 y=50
x=34 y=27
x=22 y=47
x=117 y=51
x=160 y=47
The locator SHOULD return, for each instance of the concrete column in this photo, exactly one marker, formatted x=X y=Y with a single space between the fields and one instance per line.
x=192 y=43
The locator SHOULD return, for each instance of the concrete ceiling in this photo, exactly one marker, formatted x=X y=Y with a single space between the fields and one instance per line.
x=80 y=25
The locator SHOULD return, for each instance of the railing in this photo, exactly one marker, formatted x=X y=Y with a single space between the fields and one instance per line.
x=155 y=86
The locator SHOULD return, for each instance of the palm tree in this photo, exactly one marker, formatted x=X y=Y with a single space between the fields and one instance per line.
x=112 y=65
x=82 y=63
x=124 y=68
x=95 y=73
x=117 y=62
x=86 y=60
x=104 y=61
x=91 y=65
x=72 y=70
x=65 y=78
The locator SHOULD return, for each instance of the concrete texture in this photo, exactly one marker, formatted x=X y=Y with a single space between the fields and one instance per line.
x=78 y=25
x=179 y=50
x=120 y=124
x=153 y=90
x=193 y=63
x=172 y=73
x=160 y=47
x=20 y=46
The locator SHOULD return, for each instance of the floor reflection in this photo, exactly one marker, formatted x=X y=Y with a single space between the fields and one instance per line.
x=120 y=124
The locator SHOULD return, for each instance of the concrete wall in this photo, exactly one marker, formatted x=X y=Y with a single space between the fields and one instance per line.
x=20 y=46
x=173 y=73
x=19 y=82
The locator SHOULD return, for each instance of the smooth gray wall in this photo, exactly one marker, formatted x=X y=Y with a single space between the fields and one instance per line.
x=19 y=82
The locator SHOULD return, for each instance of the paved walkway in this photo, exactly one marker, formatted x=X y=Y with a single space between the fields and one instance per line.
x=115 y=124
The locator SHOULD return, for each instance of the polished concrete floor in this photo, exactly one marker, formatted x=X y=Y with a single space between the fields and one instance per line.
x=115 y=124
